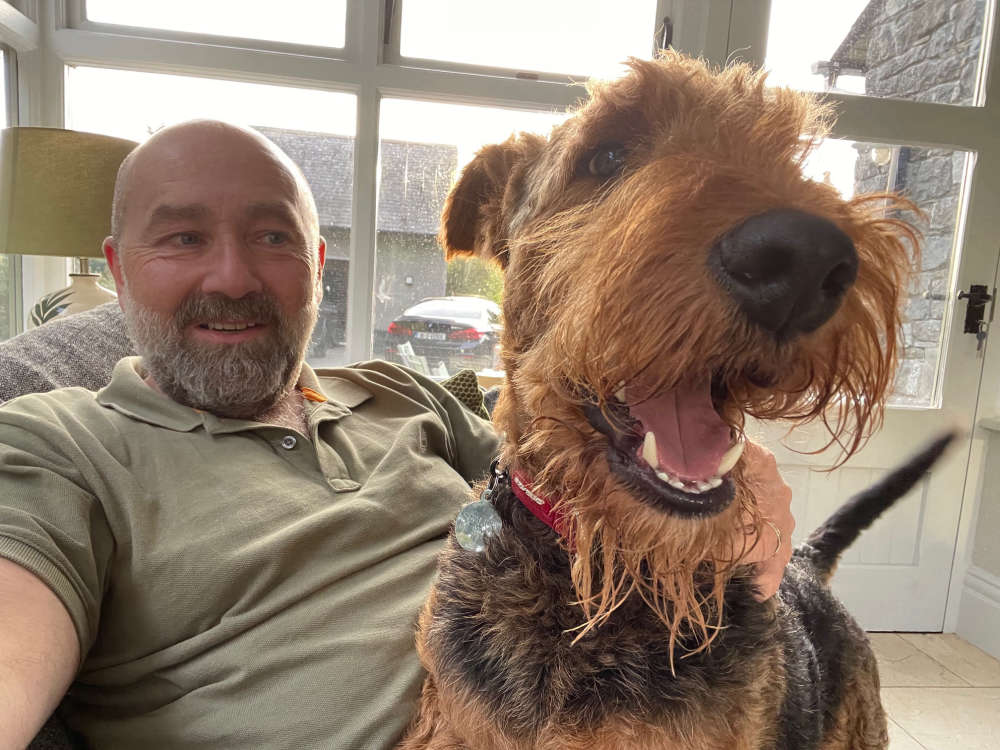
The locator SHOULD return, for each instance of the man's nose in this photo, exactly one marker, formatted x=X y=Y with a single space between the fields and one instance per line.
x=232 y=271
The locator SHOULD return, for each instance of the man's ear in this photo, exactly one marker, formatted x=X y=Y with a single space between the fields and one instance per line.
x=474 y=220
x=114 y=265
x=321 y=254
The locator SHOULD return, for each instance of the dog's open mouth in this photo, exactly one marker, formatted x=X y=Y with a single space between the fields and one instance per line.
x=672 y=450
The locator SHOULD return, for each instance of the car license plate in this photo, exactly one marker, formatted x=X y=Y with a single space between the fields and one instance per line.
x=430 y=336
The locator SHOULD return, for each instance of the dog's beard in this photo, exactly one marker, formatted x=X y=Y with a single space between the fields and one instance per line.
x=239 y=380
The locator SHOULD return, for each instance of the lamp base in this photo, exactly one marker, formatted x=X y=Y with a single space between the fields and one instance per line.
x=82 y=294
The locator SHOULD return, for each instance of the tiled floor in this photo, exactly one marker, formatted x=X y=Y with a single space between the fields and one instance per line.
x=940 y=692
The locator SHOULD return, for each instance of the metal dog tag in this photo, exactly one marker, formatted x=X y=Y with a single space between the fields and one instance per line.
x=476 y=521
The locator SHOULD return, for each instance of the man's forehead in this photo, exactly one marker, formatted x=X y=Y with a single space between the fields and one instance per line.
x=214 y=185
x=165 y=211
x=212 y=168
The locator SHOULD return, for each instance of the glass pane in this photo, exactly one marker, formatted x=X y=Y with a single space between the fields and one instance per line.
x=588 y=37
x=5 y=280
x=932 y=178
x=315 y=128
x=432 y=316
x=924 y=50
x=3 y=89
x=316 y=22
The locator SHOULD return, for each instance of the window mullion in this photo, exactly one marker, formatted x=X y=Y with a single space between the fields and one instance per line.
x=365 y=26
x=361 y=273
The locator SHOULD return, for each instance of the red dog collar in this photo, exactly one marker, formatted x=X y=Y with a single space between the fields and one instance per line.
x=540 y=506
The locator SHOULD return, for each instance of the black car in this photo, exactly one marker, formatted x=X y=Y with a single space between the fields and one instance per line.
x=461 y=332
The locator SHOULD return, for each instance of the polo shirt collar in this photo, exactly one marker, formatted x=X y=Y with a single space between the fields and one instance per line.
x=130 y=395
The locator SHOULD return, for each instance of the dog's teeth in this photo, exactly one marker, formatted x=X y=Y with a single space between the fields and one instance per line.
x=620 y=395
x=730 y=457
x=649 y=450
x=692 y=487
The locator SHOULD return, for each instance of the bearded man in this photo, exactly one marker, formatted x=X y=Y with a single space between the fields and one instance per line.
x=222 y=549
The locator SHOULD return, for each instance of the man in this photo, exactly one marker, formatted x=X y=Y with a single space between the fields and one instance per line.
x=221 y=549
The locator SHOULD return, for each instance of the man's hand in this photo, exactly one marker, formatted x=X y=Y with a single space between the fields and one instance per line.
x=773 y=549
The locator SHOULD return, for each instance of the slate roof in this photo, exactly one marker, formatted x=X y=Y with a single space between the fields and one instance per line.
x=853 y=50
x=416 y=178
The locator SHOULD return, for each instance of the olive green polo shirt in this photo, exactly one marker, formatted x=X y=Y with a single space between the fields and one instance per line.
x=237 y=584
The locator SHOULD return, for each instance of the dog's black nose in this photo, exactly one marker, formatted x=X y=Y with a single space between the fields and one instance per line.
x=787 y=270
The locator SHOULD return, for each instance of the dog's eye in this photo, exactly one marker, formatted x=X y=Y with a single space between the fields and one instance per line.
x=607 y=161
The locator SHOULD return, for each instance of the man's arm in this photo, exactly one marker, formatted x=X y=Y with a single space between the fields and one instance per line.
x=39 y=653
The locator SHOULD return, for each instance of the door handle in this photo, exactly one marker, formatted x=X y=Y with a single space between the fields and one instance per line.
x=975 y=311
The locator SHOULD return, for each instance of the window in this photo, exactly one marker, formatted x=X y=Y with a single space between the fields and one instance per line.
x=584 y=37
x=3 y=88
x=6 y=279
x=933 y=180
x=423 y=145
x=133 y=66
x=312 y=22
x=923 y=51
x=315 y=128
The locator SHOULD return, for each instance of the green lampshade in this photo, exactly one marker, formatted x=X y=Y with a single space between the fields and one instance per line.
x=56 y=188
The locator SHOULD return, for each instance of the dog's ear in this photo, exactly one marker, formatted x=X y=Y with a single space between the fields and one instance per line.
x=474 y=220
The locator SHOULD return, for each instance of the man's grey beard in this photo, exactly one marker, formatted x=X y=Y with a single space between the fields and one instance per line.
x=240 y=380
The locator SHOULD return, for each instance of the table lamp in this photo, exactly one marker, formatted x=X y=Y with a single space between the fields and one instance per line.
x=56 y=188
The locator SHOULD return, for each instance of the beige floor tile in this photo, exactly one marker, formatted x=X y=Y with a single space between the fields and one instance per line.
x=976 y=667
x=959 y=742
x=947 y=718
x=900 y=740
x=902 y=664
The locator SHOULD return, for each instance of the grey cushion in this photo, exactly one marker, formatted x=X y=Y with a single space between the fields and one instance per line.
x=79 y=349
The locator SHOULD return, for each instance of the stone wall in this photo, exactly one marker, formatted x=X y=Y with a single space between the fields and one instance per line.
x=925 y=50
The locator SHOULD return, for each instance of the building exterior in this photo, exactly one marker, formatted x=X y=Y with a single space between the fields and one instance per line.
x=410 y=265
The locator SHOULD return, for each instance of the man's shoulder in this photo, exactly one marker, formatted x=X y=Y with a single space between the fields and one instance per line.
x=386 y=380
x=375 y=377
x=72 y=407
x=71 y=397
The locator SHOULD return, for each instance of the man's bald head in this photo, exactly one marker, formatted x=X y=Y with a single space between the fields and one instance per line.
x=207 y=135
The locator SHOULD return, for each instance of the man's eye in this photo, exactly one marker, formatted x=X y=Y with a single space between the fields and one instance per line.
x=186 y=238
x=275 y=238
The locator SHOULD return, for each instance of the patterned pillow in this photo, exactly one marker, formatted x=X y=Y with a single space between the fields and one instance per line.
x=464 y=386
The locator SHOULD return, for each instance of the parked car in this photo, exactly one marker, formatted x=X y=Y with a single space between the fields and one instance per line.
x=461 y=332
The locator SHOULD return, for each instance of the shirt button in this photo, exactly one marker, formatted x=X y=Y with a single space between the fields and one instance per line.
x=288 y=442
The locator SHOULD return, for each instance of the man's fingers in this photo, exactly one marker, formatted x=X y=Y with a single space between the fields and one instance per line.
x=773 y=547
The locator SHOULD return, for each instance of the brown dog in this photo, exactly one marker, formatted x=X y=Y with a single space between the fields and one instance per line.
x=668 y=271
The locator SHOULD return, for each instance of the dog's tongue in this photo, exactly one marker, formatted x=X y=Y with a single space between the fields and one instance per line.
x=691 y=438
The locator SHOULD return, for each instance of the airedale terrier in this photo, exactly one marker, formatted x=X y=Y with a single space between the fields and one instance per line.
x=668 y=271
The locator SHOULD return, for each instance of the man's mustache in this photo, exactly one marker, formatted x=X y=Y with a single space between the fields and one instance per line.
x=256 y=306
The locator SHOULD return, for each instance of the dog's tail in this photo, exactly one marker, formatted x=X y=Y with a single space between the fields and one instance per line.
x=825 y=545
